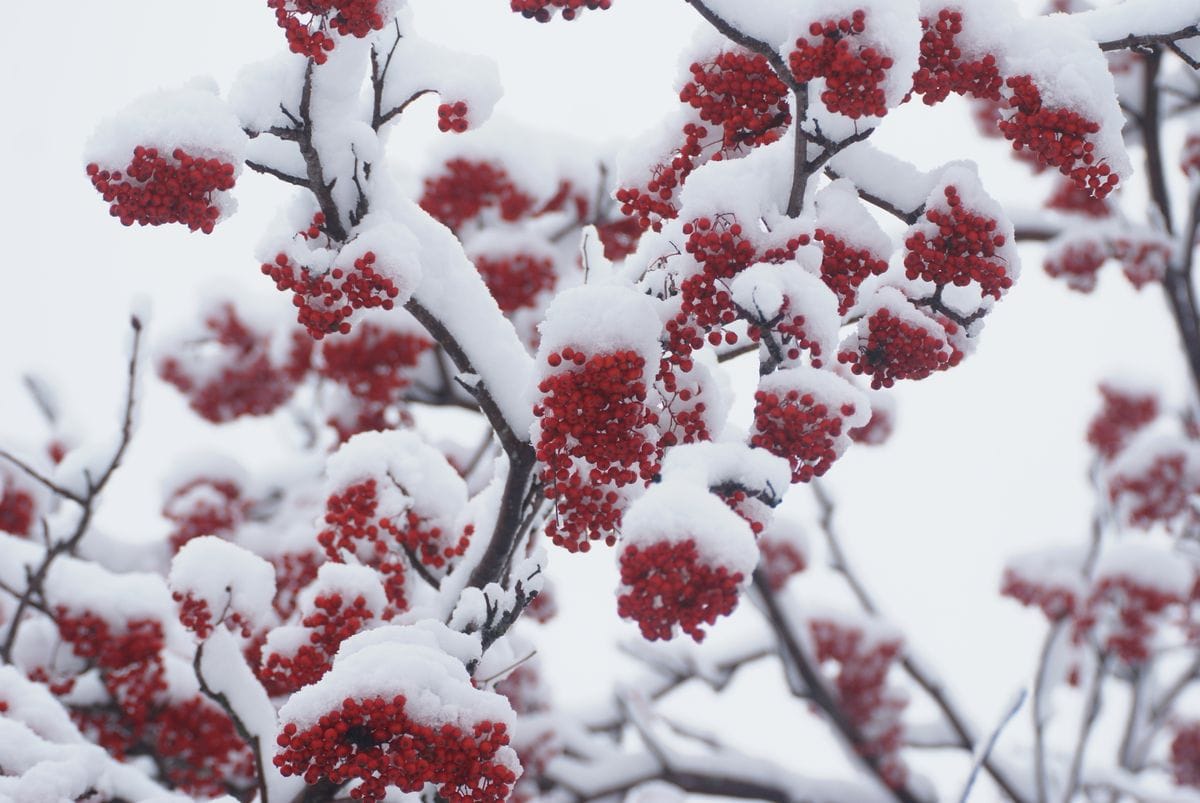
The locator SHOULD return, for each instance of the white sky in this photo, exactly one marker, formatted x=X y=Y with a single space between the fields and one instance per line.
x=988 y=459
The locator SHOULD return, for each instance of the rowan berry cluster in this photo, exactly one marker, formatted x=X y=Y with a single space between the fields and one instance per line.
x=1077 y=263
x=466 y=189
x=516 y=280
x=740 y=94
x=326 y=301
x=720 y=252
x=196 y=615
x=308 y=37
x=893 y=347
x=942 y=68
x=844 y=268
x=544 y=10
x=1057 y=137
x=1143 y=261
x=1185 y=755
x=799 y=427
x=1124 y=414
x=204 y=506
x=1158 y=492
x=959 y=247
x=684 y=410
x=453 y=117
x=1136 y=605
x=155 y=189
x=201 y=749
x=667 y=584
x=878 y=428
x=1069 y=197
x=377 y=742
x=331 y=620
x=780 y=560
x=853 y=73
x=592 y=416
x=293 y=572
x=862 y=667
x=1056 y=601
x=374 y=364
x=17 y=508
x=353 y=527
x=232 y=370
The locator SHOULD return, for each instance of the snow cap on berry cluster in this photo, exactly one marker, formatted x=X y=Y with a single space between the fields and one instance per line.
x=429 y=633
x=714 y=464
x=435 y=685
x=192 y=118
x=1155 y=477
x=221 y=574
x=842 y=212
x=601 y=319
x=347 y=580
x=1149 y=564
x=117 y=598
x=416 y=65
x=769 y=291
x=681 y=509
x=410 y=474
x=262 y=90
x=395 y=249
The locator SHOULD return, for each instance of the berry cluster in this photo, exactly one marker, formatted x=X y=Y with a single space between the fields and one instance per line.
x=744 y=101
x=516 y=280
x=201 y=749
x=374 y=364
x=684 y=409
x=326 y=301
x=309 y=38
x=781 y=559
x=942 y=69
x=844 y=267
x=1159 y=492
x=958 y=248
x=721 y=253
x=592 y=417
x=1056 y=601
x=453 y=117
x=1077 y=263
x=155 y=189
x=1185 y=755
x=1137 y=606
x=878 y=428
x=1068 y=197
x=798 y=427
x=329 y=622
x=862 y=667
x=893 y=347
x=667 y=584
x=353 y=526
x=196 y=616
x=1124 y=413
x=377 y=742
x=852 y=74
x=293 y=572
x=740 y=94
x=205 y=506
x=232 y=371
x=17 y=508
x=1056 y=137
x=1143 y=261
x=468 y=188
x=544 y=10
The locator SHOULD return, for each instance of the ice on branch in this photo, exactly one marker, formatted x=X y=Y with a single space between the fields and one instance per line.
x=217 y=582
x=400 y=698
x=684 y=556
x=170 y=157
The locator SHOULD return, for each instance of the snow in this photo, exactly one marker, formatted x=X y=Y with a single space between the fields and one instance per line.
x=712 y=464
x=678 y=510
x=409 y=474
x=1137 y=18
x=827 y=388
x=347 y=580
x=1148 y=564
x=768 y=290
x=599 y=320
x=435 y=685
x=263 y=90
x=224 y=574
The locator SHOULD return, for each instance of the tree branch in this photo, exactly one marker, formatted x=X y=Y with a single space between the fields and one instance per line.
x=1143 y=41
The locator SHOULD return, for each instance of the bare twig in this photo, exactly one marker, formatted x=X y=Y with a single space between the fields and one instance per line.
x=990 y=744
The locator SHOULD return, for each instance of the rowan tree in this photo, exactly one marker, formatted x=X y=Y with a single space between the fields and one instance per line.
x=363 y=625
